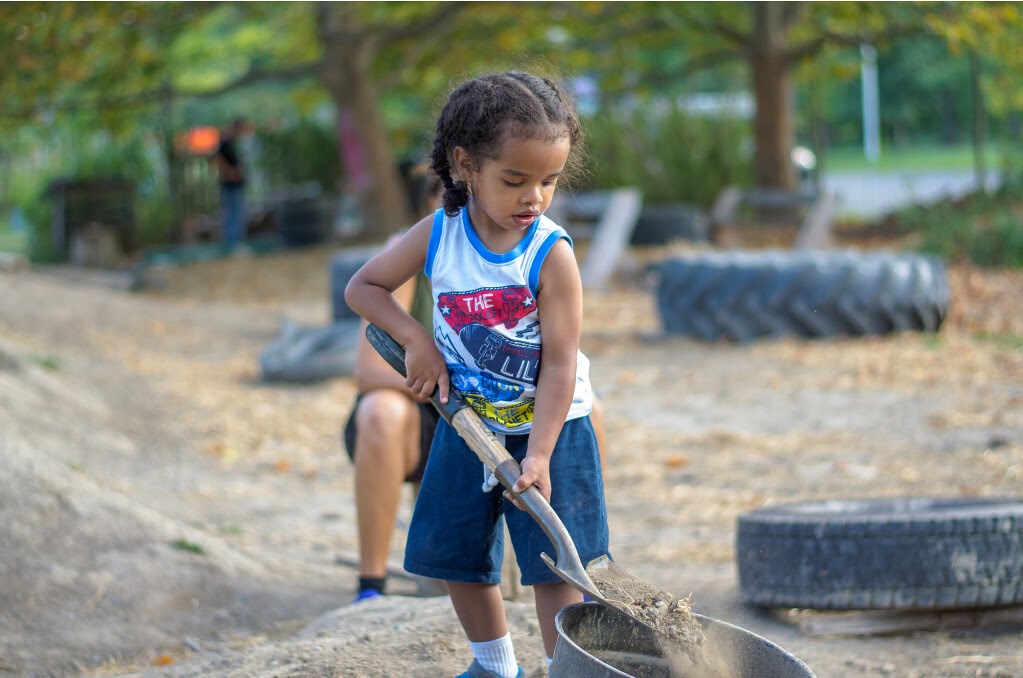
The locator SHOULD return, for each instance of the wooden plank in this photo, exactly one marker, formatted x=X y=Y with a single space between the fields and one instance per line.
x=777 y=198
x=726 y=206
x=611 y=236
x=118 y=279
x=885 y=622
x=815 y=233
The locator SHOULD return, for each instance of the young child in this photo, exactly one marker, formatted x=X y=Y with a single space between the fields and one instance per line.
x=505 y=282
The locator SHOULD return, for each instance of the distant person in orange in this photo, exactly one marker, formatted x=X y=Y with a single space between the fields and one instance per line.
x=231 y=174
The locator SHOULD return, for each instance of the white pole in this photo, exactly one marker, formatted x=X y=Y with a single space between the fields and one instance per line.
x=871 y=104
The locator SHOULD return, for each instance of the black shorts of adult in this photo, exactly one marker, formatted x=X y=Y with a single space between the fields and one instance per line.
x=428 y=417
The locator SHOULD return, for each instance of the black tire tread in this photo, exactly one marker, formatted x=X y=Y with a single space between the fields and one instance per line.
x=883 y=554
x=742 y=296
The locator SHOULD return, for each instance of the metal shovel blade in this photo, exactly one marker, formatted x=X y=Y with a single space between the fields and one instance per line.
x=575 y=576
x=570 y=569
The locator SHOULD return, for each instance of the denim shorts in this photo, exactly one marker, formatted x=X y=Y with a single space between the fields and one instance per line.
x=456 y=532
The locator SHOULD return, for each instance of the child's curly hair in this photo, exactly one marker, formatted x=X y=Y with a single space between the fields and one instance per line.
x=481 y=114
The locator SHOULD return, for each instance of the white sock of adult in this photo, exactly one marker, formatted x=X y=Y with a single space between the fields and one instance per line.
x=497 y=656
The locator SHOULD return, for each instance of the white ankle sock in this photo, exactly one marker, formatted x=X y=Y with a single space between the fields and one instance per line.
x=497 y=656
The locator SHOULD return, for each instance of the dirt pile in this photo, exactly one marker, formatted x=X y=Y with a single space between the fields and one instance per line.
x=89 y=573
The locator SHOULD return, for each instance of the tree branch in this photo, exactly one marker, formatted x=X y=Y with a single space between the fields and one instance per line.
x=162 y=93
x=730 y=33
x=693 y=66
x=410 y=30
x=805 y=49
x=438 y=24
x=295 y=72
x=790 y=11
x=827 y=35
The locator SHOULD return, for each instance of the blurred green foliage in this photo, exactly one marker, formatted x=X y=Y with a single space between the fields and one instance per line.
x=86 y=154
x=100 y=89
x=981 y=228
x=306 y=152
x=671 y=155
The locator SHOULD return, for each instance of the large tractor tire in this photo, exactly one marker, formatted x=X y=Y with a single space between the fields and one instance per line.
x=310 y=354
x=743 y=296
x=909 y=553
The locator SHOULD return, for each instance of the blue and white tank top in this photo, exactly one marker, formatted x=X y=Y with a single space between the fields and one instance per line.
x=485 y=321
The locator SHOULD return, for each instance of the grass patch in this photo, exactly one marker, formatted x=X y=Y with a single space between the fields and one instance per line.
x=1006 y=339
x=986 y=230
x=47 y=362
x=12 y=241
x=189 y=547
x=918 y=157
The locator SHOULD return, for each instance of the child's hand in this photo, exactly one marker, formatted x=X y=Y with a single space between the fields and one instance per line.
x=536 y=471
x=426 y=370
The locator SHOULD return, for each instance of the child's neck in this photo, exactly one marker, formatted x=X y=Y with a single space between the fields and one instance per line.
x=494 y=238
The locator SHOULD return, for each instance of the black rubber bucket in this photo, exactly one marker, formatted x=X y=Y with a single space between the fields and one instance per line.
x=596 y=642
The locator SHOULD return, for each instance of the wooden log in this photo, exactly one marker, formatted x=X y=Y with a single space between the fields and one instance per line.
x=882 y=622
x=611 y=236
x=815 y=232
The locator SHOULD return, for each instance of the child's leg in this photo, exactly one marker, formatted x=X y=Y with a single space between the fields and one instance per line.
x=577 y=496
x=480 y=609
x=550 y=598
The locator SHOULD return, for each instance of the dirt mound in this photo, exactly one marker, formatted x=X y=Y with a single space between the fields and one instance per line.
x=390 y=636
x=88 y=573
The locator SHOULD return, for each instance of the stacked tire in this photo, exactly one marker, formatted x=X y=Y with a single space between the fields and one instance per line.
x=873 y=554
x=309 y=354
x=744 y=296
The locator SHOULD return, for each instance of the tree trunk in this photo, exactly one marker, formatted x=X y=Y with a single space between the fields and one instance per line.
x=774 y=119
x=370 y=171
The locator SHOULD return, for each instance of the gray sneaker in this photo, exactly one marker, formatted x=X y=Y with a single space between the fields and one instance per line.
x=477 y=671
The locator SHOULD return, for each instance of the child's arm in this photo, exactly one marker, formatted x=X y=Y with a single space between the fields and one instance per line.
x=370 y=294
x=560 y=305
x=371 y=370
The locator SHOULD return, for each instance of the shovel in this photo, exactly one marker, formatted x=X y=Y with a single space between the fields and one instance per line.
x=493 y=454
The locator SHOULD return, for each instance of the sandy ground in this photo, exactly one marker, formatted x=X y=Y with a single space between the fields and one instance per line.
x=163 y=512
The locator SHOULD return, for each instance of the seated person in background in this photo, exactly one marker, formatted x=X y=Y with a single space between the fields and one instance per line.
x=389 y=432
x=388 y=437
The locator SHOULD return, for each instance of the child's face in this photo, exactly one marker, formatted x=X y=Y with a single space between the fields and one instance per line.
x=512 y=190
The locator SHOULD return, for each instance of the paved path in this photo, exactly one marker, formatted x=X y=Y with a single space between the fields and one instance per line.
x=870 y=194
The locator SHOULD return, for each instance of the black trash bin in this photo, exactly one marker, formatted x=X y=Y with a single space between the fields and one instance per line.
x=304 y=220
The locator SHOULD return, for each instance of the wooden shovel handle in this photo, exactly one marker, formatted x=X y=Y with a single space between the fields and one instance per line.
x=497 y=458
x=394 y=354
x=456 y=411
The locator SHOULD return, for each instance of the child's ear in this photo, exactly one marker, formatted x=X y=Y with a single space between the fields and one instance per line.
x=463 y=164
